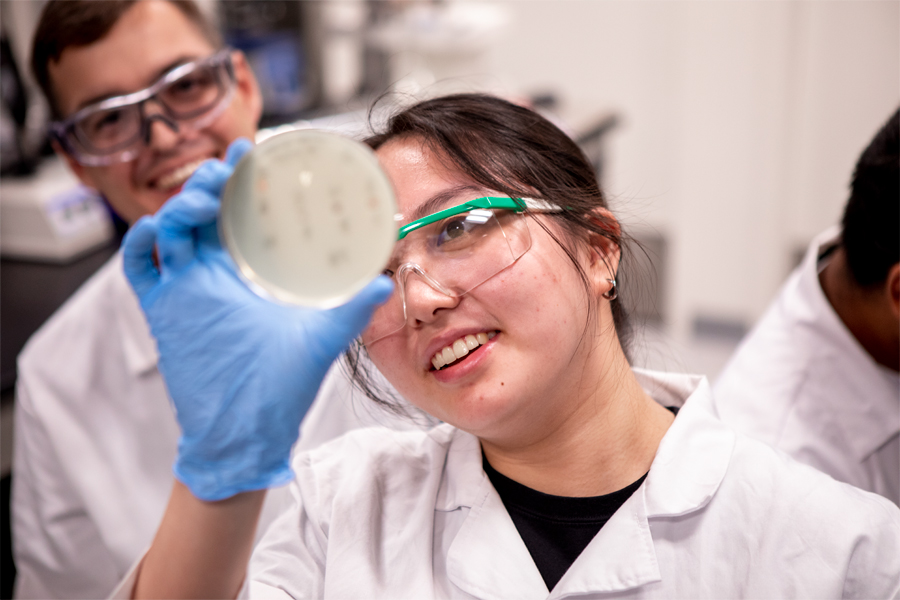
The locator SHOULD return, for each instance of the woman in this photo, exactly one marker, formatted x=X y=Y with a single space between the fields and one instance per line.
x=558 y=467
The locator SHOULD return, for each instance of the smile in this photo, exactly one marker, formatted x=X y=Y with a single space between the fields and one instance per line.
x=178 y=176
x=459 y=349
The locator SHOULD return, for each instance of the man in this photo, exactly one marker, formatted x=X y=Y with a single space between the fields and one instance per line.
x=144 y=93
x=818 y=376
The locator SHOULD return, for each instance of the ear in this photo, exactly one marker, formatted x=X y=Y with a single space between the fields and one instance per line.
x=605 y=253
x=80 y=171
x=892 y=286
x=247 y=87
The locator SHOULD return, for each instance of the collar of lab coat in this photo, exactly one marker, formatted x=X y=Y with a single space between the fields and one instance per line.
x=141 y=356
x=866 y=405
x=689 y=466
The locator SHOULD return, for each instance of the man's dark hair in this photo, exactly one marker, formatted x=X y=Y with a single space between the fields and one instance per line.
x=67 y=23
x=871 y=224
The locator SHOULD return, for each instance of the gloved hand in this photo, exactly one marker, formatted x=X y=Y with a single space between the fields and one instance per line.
x=241 y=370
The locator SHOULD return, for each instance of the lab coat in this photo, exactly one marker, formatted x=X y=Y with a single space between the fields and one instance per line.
x=412 y=515
x=95 y=439
x=801 y=382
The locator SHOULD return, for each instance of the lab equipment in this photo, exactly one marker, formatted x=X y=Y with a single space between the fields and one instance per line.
x=241 y=371
x=49 y=217
x=308 y=217
x=191 y=95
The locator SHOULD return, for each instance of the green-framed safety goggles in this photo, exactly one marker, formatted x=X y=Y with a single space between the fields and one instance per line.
x=517 y=205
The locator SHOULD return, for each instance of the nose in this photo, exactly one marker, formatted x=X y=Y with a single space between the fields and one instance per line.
x=160 y=131
x=425 y=297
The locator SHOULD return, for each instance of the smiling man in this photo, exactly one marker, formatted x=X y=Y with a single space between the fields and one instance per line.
x=174 y=130
x=143 y=92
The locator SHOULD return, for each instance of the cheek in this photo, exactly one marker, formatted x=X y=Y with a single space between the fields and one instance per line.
x=128 y=200
x=391 y=358
x=113 y=177
x=536 y=284
x=543 y=300
x=236 y=122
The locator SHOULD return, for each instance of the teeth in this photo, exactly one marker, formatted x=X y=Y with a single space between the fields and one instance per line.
x=448 y=355
x=460 y=348
x=471 y=342
x=178 y=176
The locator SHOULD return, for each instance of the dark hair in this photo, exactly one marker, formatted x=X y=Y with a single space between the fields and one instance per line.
x=66 y=23
x=517 y=152
x=871 y=224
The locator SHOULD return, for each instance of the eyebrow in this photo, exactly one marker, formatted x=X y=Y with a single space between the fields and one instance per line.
x=436 y=202
x=156 y=77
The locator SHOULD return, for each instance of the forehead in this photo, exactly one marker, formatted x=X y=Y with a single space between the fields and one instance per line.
x=148 y=39
x=423 y=181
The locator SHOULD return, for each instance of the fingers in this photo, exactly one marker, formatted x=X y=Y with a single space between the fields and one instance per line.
x=212 y=175
x=355 y=314
x=209 y=179
x=177 y=221
x=175 y=229
x=237 y=150
x=137 y=255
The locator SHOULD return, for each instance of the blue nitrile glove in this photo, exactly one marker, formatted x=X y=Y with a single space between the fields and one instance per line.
x=241 y=370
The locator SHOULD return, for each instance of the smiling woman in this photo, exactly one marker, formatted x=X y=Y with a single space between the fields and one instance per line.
x=558 y=469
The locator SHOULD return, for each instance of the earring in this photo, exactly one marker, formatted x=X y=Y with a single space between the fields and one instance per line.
x=613 y=292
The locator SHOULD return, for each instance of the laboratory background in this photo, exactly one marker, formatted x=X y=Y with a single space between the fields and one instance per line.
x=725 y=134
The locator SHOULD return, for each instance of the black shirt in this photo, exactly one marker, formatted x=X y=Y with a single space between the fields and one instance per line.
x=556 y=529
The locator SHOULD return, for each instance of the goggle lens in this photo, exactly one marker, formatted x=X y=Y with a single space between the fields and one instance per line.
x=453 y=256
x=114 y=129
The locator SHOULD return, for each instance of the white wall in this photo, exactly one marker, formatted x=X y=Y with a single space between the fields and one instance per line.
x=741 y=123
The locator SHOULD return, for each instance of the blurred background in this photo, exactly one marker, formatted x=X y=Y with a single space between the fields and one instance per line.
x=724 y=133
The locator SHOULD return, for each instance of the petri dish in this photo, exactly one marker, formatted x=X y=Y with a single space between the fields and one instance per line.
x=308 y=217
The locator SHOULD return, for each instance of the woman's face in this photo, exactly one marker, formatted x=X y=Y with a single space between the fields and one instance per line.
x=530 y=373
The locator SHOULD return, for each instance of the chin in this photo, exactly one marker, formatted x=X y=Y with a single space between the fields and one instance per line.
x=479 y=416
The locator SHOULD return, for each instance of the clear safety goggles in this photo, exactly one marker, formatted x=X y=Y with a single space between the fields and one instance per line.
x=454 y=251
x=191 y=95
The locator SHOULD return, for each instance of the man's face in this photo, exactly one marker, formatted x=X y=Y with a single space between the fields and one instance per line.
x=151 y=38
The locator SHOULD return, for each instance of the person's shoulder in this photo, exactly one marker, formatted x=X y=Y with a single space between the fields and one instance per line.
x=372 y=459
x=374 y=446
x=827 y=513
x=89 y=312
x=773 y=360
x=765 y=377
x=774 y=343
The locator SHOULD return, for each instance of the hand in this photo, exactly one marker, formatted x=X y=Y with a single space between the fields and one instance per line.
x=242 y=371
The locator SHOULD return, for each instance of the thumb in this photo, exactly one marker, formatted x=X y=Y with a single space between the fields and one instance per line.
x=355 y=314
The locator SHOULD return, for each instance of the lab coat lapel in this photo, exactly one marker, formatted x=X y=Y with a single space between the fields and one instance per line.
x=620 y=557
x=487 y=558
x=689 y=466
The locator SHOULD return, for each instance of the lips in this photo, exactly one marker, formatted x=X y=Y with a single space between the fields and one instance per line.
x=460 y=348
x=177 y=176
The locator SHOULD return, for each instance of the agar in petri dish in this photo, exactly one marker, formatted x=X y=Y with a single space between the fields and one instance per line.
x=308 y=216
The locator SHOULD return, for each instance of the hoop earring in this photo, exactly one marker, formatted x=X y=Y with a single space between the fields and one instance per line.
x=613 y=292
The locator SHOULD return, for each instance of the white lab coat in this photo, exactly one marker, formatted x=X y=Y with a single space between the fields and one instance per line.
x=95 y=439
x=801 y=382
x=382 y=514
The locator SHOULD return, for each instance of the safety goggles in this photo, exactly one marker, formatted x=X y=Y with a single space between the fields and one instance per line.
x=191 y=95
x=454 y=251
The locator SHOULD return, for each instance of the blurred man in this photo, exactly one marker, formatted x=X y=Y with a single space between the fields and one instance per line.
x=143 y=92
x=818 y=376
